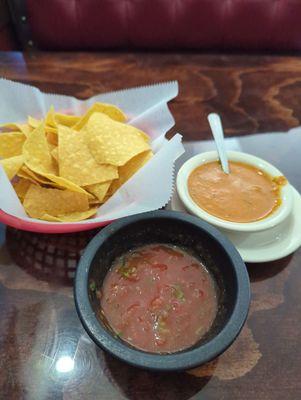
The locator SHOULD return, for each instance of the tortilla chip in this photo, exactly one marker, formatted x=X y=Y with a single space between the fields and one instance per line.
x=50 y=118
x=53 y=119
x=106 y=198
x=21 y=187
x=112 y=142
x=67 y=120
x=52 y=181
x=68 y=165
x=12 y=165
x=95 y=202
x=39 y=201
x=144 y=136
x=51 y=147
x=33 y=122
x=71 y=217
x=108 y=109
x=52 y=130
x=26 y=129
x=36 y=152
x=129 y=169
x=26 y=173
x=55 y=153
x=12 y=126
x=76 y=162
x=63 y=183
x=99 y=189
x=11 y=144
x=52 y=138
x=132 y=166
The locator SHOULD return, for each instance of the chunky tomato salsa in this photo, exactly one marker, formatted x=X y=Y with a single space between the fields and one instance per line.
x=159 y=298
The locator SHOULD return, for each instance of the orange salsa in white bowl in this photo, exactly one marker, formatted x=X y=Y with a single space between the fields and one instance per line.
x=254 y=196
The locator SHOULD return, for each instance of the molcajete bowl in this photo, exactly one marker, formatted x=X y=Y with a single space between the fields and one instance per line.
x=205 y=242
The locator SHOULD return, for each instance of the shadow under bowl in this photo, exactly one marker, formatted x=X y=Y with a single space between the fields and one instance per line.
x=202 y=240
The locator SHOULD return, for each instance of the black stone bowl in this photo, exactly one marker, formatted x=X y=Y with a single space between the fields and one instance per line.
x=206 y=243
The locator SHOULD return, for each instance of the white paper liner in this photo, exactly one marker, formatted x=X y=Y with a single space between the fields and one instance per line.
x=150 y=188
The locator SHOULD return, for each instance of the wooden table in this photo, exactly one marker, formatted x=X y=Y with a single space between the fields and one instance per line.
x=40 y=333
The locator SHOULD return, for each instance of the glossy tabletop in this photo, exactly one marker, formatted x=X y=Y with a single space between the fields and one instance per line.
x=44 y=351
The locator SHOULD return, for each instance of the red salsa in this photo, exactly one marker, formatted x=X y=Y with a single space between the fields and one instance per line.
x=159 y=298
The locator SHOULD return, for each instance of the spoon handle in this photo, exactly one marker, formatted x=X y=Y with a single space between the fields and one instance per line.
x=218 y=134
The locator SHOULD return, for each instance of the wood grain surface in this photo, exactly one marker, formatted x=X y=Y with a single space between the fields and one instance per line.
x=38 y=322
x=252 y=94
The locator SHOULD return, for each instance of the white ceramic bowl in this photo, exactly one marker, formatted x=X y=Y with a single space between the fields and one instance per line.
x=269 y=222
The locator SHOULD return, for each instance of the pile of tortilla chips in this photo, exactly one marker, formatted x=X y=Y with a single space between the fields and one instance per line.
x=64 y=167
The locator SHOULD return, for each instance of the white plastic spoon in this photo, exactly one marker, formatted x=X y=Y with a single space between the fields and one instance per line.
x=218 y=134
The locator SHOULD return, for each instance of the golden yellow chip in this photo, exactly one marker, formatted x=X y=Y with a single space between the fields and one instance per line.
x=106 y=198
x=54 y=119
x=50 y=129
x=132 y=166
x=94 y=202
x=36 y=152
x=144 y=136
x=11 y=144
x=52 y=138
x=12 y=126
x=108 y=109
x=24 y=175
x=33 y=122
x=71 y=217
x=51 y=180
x=39 y=201
x=12 y=165
x=51 y=147
x=66 y=184
x=67 y=120
x=55 y=153
x=129 y=169
x=21 y=187
x=27 y=173
x=76 y=162
x=50 y=118
x=112 y=142
x=67 y=165
x=99 y=189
